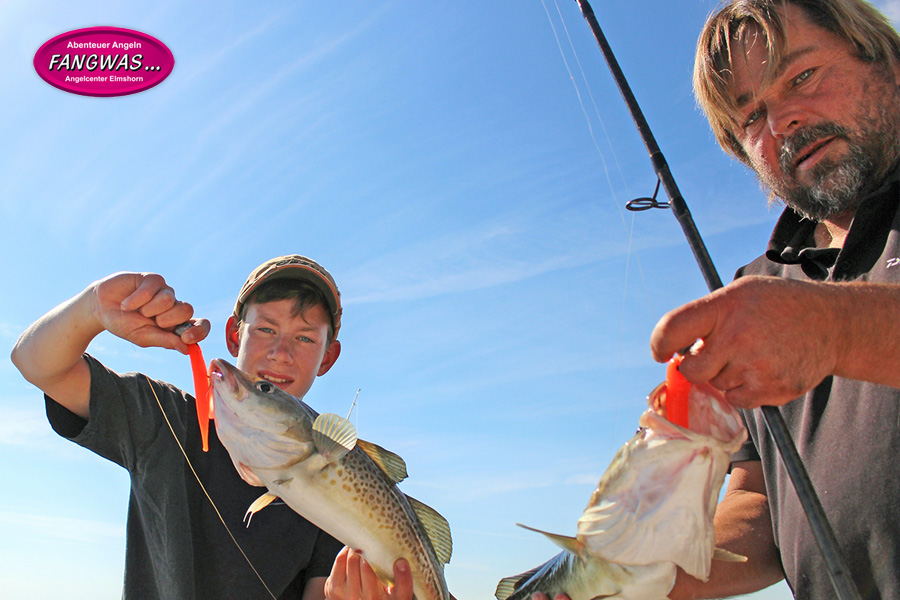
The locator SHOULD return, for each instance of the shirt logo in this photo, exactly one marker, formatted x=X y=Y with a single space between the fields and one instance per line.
x=893 y=262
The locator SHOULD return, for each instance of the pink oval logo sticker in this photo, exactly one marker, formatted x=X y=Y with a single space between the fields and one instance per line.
x=104 y=61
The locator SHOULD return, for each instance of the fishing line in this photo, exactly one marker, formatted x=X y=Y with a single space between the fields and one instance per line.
x=587 y=85
x=629 y=231
x=352 y=406
x=199 y=482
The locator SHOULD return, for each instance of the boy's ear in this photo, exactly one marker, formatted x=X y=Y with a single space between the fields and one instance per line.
x=232 y=335
x=331 y=355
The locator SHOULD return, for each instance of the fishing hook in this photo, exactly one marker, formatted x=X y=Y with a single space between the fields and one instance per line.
x=812 y=507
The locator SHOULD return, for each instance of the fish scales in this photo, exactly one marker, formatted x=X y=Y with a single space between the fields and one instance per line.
x=343 y=485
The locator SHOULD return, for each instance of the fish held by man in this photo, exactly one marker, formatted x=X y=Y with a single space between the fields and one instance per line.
x=319 y=468
x=652 y=510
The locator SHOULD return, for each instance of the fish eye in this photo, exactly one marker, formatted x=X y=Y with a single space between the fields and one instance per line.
x=265 y=387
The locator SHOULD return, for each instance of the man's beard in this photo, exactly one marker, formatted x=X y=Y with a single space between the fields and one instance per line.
x=837 y=185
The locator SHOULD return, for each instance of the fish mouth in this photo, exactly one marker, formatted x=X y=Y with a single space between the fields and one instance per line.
x=221 y=375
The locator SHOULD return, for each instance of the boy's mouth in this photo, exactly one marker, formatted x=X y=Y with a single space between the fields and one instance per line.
x=279 y=380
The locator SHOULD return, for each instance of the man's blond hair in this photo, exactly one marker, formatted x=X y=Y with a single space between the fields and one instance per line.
x=855 y=21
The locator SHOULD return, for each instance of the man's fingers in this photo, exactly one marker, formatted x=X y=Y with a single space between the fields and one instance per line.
x=682 y=327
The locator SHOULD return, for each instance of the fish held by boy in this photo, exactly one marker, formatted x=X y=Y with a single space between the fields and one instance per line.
x=319 y=468
x=652 y=510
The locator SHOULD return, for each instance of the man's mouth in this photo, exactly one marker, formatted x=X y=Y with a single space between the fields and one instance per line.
x=810 y=152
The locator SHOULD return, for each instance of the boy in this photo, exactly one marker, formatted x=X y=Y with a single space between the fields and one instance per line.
x=284 y=329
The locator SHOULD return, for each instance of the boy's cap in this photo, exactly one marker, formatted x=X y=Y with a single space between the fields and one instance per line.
x=294 y=266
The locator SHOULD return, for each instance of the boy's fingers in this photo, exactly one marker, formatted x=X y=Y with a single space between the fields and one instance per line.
x=403 y=583
x=146 y=286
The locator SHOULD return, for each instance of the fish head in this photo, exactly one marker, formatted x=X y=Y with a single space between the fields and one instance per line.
x=261 y=426
x=710 y=416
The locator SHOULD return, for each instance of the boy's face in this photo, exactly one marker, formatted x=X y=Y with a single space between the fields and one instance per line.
x=289 y=350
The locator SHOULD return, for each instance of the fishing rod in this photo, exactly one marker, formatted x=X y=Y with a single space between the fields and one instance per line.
x=837 y=567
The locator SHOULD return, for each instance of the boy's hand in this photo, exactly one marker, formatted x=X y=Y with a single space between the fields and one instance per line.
x=352 y=578
x=142 y=308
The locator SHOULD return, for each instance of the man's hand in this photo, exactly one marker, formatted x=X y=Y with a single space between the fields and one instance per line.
x=142 y=308
x=352 y=578
x=763 y=340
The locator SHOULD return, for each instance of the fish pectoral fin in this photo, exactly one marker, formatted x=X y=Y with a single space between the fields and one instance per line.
x=565 y=542
x=437 y=528
x=259 y=504
x=334 y=436
x=392 y=465
x=725 y=555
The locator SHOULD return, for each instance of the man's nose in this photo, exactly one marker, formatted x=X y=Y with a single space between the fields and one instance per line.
x=783 y=117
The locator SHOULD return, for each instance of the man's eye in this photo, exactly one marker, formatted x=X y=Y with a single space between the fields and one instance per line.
x=753 y=117
x=803 y=76
x=265 y=387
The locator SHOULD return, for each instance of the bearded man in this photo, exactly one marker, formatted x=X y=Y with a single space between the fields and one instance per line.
x=805 y=93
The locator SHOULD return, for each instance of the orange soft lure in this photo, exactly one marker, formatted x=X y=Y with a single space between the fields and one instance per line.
x=201 y=391
x=677 y=391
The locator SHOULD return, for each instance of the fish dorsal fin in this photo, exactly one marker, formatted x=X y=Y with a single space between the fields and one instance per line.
x=509 y=585
x=437 y=528
x=259 y=504
x=725 y=555
x=392 y=465
x=334 y=436
x=565 y=542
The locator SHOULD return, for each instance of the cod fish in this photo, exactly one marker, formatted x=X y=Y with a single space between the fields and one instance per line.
x=319 y=468
x=652 y=510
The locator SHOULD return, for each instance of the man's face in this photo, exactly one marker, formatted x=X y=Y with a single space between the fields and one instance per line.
x=289 y=350
x=826 y=129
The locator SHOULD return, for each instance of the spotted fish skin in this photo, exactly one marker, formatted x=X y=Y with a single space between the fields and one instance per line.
x=343 y=485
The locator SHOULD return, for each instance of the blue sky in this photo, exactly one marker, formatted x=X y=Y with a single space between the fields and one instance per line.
x=459 y=167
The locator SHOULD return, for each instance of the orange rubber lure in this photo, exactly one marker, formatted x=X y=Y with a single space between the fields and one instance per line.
x=677 y=391
x=201 y=391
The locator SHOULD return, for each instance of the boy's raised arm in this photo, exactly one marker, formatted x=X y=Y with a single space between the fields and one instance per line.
x=138 y=307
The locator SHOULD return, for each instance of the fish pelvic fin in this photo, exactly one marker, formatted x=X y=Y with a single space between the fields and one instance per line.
x=259 y=504
x=508 y=585
x=437 y=528
x=334 y=436
x=392 y=465
x=726 y=556
x=568 y=543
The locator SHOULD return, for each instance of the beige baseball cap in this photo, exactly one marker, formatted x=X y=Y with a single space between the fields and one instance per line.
x=294 y=266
